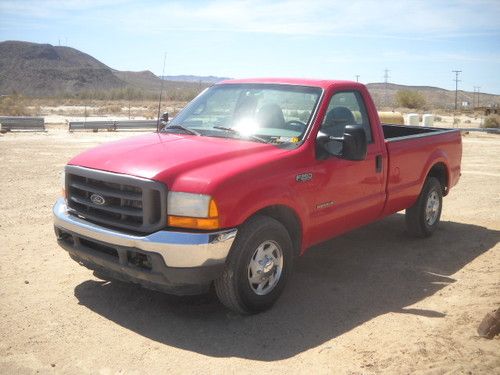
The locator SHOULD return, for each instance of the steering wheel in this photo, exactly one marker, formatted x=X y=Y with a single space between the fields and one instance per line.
x=296 y=124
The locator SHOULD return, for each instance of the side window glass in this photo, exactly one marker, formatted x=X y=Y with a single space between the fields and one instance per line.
x=346 y=108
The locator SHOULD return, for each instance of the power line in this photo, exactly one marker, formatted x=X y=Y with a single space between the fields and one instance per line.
x=457 y=72
x=476 y=91
x=386 y=75
x=386 y=81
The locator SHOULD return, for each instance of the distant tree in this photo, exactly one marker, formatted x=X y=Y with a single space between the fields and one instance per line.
x=410 y=99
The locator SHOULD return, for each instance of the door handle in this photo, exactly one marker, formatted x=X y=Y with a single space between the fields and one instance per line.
x=378 y=163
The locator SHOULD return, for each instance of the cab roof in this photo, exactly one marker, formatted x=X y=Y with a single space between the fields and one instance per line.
x=322 y=83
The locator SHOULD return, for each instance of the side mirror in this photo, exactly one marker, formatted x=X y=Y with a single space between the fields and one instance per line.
x=355 y=146
x=327 y=146
x=352 y=146
x=164 y=117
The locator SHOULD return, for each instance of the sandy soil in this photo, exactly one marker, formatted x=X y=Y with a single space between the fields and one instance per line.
x=372 y=301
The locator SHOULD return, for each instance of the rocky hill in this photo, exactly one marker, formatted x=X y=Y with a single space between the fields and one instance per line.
x=43 y=69
x=33 y=69
x=435 y=97
x=197 y=79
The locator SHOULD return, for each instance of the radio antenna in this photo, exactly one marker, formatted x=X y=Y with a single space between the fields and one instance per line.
x=161 y=92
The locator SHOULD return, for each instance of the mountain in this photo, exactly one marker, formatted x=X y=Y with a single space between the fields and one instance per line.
x=197 y=79
x=45 y=70
x=34 y=69
x=42 y=69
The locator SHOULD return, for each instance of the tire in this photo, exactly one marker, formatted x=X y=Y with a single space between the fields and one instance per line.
x=422 y=219
x=247 y=286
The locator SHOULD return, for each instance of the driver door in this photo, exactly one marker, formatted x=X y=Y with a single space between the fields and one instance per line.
x=350 y=193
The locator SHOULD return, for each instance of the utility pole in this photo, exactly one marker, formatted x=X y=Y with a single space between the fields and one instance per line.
x=386 y=81
x=357 y=77
x=457 y=72
x=476 y=90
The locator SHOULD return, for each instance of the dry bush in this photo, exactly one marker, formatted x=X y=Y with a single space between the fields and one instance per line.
x=410 y=99
x=13 y=105
x=492 y=121
x=109 y=109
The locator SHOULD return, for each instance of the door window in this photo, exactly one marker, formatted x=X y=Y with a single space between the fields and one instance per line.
x=346 y=108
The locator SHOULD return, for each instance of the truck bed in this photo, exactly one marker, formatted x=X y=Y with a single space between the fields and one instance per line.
x=394 y=132
x=412 y=151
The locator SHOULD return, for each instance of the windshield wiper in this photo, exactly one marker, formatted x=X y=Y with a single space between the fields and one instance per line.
x=180 y=127
x=234 y=131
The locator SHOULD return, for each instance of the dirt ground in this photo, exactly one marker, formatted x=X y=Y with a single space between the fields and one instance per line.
x=372 y=301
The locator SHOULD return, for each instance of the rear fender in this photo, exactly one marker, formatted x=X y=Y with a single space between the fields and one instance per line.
x=437 y=157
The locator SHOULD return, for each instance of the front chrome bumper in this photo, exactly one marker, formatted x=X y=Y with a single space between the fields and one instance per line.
x=178 y=249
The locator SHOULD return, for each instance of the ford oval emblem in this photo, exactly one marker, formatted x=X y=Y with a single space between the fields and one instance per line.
x=97 y=199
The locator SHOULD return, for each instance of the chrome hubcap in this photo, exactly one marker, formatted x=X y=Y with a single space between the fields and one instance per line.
x=432 y=208
x=265 y=267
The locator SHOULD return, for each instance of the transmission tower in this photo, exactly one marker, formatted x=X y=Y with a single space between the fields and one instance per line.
x=457 y=72
x=386 y=81
x=476 y=92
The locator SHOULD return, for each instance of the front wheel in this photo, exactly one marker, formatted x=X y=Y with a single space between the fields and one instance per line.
x=257 y=267
x=422 y=219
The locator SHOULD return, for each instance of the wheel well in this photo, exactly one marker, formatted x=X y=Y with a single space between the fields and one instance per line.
x=440 y=172
x=290 y=221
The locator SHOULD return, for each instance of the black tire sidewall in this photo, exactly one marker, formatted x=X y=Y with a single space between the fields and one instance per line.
x=431 y=185
x=272 y=231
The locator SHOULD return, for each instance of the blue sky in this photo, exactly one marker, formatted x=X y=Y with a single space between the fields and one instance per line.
x=420 y=42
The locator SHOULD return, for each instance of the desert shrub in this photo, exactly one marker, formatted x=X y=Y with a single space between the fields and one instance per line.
x=109 y=109
x=124 y=93
x=467 y=121
x=13 y=105
x=492 y=121
x=409 y=99
x=456 y=121
x=438 y=118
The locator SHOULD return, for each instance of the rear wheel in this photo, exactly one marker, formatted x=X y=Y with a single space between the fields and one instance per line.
x=257 y=267
x=422 y=219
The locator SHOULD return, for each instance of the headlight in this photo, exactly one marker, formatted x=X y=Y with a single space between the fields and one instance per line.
x=195 y=211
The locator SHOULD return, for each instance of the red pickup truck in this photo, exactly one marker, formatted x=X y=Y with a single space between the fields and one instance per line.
x=248 y=176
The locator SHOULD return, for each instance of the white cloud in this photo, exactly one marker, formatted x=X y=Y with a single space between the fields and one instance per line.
x=372 y=19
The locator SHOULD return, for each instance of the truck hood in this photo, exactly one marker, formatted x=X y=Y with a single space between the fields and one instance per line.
x=170 y=157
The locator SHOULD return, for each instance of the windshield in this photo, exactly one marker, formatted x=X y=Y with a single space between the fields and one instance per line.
x=260 y=112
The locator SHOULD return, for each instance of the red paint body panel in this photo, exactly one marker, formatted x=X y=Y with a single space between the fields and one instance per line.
x=410 y=161
x=245 y=177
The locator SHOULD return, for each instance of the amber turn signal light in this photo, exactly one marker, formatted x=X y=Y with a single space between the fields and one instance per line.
x=211 y=222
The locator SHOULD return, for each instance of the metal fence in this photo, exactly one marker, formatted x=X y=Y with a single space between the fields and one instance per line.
x=486 y=130
x=22 y=124
x=112 y=125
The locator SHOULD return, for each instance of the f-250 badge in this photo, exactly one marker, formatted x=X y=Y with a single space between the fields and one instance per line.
x=303 y=177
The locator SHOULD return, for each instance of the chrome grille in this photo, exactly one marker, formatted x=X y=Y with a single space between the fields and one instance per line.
x=115 y=200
